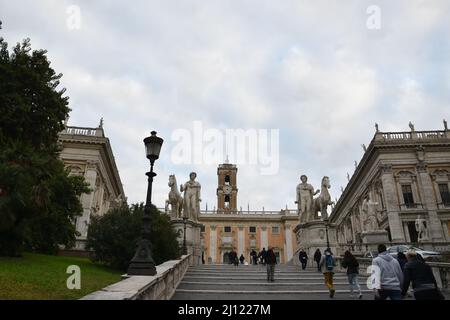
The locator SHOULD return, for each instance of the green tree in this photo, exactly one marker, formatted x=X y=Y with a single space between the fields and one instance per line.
x=113 y=237
x=38 y=198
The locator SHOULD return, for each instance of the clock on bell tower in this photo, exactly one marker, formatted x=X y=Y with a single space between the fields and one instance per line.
x=227 y=188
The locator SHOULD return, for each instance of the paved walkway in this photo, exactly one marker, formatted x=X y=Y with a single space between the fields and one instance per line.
x=227 y=282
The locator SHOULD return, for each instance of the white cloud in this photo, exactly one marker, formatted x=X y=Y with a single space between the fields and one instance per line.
x=311 y=69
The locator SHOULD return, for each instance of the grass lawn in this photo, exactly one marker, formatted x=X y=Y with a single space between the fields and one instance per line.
x=38 y=276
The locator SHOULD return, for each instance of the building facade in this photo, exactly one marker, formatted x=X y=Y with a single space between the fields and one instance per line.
x=402 y=180
x=228 y=228
x=87 y=152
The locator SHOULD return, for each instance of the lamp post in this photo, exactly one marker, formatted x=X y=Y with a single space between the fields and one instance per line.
x=184 y=236
x=142 y=262
x=326 y=231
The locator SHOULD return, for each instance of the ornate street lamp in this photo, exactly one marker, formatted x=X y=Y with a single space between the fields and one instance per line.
x=142 y=262
x=326 y=231
x=184 y=236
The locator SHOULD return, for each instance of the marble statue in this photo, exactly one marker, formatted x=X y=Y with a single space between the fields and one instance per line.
x=322 y=202
x=369 y=215
x=175 y=199
x=376 y=128
x=421 y=229
x=445 y=125
x=192 y=198
x=364 y=147
x=101 y=123
x=305 y=193
x=411 y=126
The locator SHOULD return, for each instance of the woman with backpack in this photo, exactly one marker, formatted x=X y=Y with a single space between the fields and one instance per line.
x=327 y=261
x=351 y=264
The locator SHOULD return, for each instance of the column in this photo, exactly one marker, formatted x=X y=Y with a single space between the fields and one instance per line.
x=288 y=244
x=213 y=244
x=87 y=199
x=392 y=205
x=241 y=241
x=430 y=203
x=264 y=238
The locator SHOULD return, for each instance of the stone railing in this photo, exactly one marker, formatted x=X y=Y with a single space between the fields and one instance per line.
x=441 y=270
x=83 y=131
x=289 y=212
x=159 y=287
x=411 y=135
x=359 y=249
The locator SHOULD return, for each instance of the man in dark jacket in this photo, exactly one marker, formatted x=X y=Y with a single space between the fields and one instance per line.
x=303 y=257
x=422 y=278
x=262 y=255
x=254 y=257
x=233 y=257
x=402 y=260
x=317 y=256
x=271 y=261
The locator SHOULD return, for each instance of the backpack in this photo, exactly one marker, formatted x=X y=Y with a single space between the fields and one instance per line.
x=329 y=262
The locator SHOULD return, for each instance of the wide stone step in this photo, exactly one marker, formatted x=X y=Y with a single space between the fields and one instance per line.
x=259 y=286
x=265 y=295
x=264 y=274
x=262 y=279
x=250 y=271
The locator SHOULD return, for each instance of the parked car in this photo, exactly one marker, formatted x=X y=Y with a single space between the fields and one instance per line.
x=425 y=254
x=371 y=254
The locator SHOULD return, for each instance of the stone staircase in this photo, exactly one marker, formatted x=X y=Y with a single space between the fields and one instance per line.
x=227 y=282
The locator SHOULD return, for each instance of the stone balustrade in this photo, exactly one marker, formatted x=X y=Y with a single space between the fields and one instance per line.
x=159 y=287
x=411 y=135
x=441 y=270
x=83 y=131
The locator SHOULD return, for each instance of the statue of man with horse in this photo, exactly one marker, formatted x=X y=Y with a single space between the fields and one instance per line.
x=322 y=202
x=175 y=199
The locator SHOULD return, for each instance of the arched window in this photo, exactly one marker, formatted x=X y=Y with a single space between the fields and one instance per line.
x=227 y=201
x=227 y=180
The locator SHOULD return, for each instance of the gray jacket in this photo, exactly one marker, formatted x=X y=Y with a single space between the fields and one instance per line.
x=391 y=277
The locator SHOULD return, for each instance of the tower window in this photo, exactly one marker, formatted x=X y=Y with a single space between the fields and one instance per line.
x=227 y=201
x=252 y=229
x=227 y=180
x=275 y=230
x=445 y=195
x=408 y=196
x=227 y=229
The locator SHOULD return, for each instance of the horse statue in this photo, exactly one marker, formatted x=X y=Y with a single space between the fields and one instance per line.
x=175 y=199
x=322 y=202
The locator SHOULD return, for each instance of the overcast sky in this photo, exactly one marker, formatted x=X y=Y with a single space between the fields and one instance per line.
x=321 y=72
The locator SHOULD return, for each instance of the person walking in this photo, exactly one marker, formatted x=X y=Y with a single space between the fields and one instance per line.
x=242 y=259
x=401 y=258
x=390 y=275
x=271 y=261
x=328 y=263
x=317 y=256
x=254 y=257
x=233 y=257
x=262 y=256
x=303 y=257
x=422 y=278
x=352 y=265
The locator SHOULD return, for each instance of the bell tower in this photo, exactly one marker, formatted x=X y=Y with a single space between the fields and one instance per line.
x=227 y=188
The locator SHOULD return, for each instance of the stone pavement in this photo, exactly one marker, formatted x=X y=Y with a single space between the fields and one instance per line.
x=227 y=282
